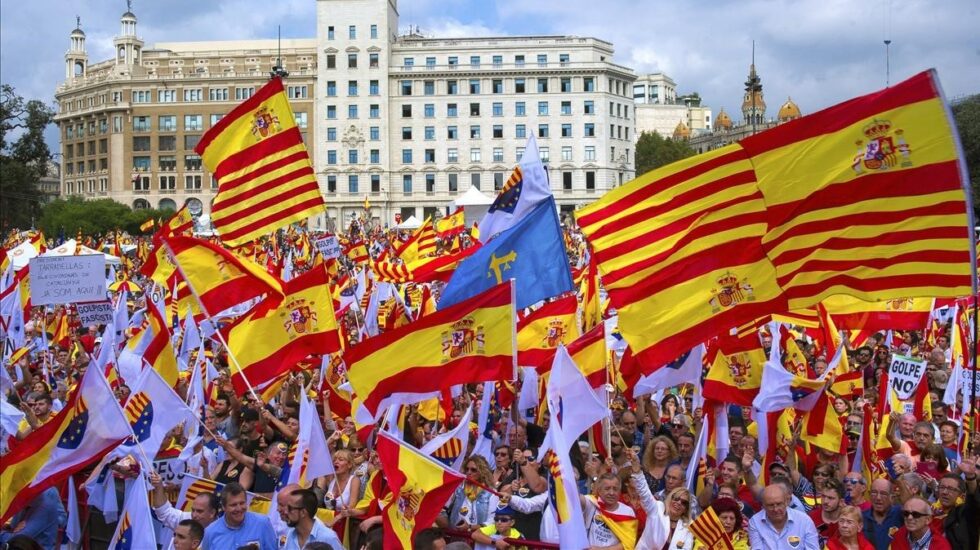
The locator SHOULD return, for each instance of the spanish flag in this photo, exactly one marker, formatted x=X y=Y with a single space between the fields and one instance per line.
x=472 y=341
x=589 y=354
x=735 y=375
x=451 y=225
x=357 y=252
x=160 y=267
x=148 y=225
x=159 y=352
x=271 y=338
x=178 y=224
x=265 y=178
x=220 y=278
x=865 y=198
x=540 y=332
x=420 y=487
x=898 y=314
x=589 y=291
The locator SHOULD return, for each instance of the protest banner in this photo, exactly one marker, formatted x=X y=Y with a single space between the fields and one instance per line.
x=94 y=313
x=67 y=279
x=905 y=374
x=329 y=247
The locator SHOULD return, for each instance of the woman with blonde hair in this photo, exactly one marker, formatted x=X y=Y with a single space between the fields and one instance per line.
x=659 y=454
x=667 y=521
x=850 y=536
x=471 y=506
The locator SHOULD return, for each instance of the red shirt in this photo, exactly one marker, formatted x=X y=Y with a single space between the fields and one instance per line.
x=901 y=541
x=824 y=529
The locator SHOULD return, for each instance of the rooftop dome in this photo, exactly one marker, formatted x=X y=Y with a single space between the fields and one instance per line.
x=789 y=111
x=682 y=131
x=723 y=121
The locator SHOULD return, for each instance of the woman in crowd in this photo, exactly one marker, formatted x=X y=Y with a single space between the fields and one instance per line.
x=341 y=490
x=471 y=506
x=729 y=512
x=666 y=522
x=849 y=534
x=660 y=452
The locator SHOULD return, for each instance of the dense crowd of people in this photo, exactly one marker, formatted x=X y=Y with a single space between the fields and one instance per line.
x=635 y=486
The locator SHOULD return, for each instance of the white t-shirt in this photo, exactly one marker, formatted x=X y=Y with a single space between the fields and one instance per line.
x=595 y=525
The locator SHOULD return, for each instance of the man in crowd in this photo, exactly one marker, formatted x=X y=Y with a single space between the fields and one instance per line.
x=781 y=528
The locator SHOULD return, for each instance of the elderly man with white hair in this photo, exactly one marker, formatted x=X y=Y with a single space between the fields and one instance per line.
x=780 y=527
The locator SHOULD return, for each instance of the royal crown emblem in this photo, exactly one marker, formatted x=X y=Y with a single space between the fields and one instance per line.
x=899 y=304
x=409 y=501
x=730 y=291
x=556 y=333
x=881 y=149
x=300 y=317
x=265 y=123
x=466 y=338
x=739 y=366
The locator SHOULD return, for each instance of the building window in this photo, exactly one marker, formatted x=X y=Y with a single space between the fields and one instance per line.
x=498 y=154
x=430 y=156
x=542 y=60
x=452 y=132
x=451 y=110
x=474 y=86
x=518 y=85
x=352 y=32
x=566 y=181
x=430 y=183
x=452 y=155
x=141 y=183
x=520 y=109
x=590 y=152
x=428 y=87
x=352 y=61
x=475 y=179
x=168 y=183
x=192 y=163
x=352 y=183
x=429 y=110
x=430 y=62
x=375 y=183
x=141 y=124
x=331 y=88
x=408 y=63
x=140 y=143
x=589 y=129
x=475 y=131
x=589 y=107
x=590 y=181
x=375 y=156
x=374 y=111
x=296 y=92
x=498 y=61
x=373 y=87
x=520 y=131
x=374 y=31
x=331 y=61
x=141 y=164
x=566 y=153
x=475 y=61
x=453 y=62
x=218 y=94
x=542 y=108
x=406 y=183
x=166 y=96
x=566 y=130
x=452 y=87
x=168 y=123
x=331 y=184
x=194 y=94
x=117 y=123
x=142 y=96
x=474 y=109
x=542 y=130
x=519 y=60
x=566 y=85
x=498 y=181
x=373 y=60
x=193 y=123
x=545 y=154
x=215 y=117
x=192 y=182
x=406 y=156
x=352 y=111
x=475 y=154
x=430 y=133
x=566 y=107
x=352 y=156
x=589 y=84
x=543 y=85
x=407 y=132
x=498 y=109
x=351 y=87
x=498 y=131
x=191 y=141
x=406 y=111
x=167 y=143
x=453 y=182
x=406 y=87
x=330 y=33
x=332 y=134
x=243 y=93
x=331 y=157
x=374 y=133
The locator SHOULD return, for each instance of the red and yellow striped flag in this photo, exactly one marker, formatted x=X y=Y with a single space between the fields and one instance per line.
x=708 y=531
x=451 y=225
x=468 y=342
x=786 y=218
x=849 y=312
x=543 y=329
x=270 y=339
x=420 y=245
x=735 y=375
x=265 y=178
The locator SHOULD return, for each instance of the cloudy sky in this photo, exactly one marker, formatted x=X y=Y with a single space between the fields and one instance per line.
x=819 y=52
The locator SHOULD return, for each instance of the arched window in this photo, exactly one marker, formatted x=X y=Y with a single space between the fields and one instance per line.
x=140 y=204
x=168 y=204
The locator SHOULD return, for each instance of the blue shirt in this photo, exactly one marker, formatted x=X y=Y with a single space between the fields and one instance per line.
x=255 y=528
x=319 y=533
x=799 y=533
x=880 y=534
x=42 y=518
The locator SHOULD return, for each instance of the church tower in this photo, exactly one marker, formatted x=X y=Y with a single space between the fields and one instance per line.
x=76 y=59
x=128 y=46
x=754 y=105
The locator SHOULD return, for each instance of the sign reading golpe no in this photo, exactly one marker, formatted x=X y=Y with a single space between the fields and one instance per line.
x=904 y=375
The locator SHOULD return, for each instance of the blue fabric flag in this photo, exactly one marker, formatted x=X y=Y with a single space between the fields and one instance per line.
x=532 y=252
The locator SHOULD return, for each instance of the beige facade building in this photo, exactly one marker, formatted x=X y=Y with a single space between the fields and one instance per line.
x=660 y=110
x=129 y=124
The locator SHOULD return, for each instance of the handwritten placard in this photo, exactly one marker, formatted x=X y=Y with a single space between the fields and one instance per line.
x=95 y=313
x=329 y=247
x=66 y=279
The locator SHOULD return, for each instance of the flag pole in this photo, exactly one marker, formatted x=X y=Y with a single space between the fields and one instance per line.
x=173 y=258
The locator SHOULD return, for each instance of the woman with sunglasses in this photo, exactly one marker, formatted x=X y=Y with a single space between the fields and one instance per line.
x=666 y=522
x=471 y=506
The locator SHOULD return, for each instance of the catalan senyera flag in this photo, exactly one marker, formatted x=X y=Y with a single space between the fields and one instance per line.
x=849 y=312
x=420 y=487
x=735 y=375
x=540 y=332
x=271 y=338
x=468 y=342
x=709 y=531
x=421 y=244
x=90 y=425
x=451 y=225
x=865 y=198
x=265 y=177
x=220 y=278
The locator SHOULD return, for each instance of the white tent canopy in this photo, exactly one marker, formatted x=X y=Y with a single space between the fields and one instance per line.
x=68 y=249
x=411 y=223
x=473 y=197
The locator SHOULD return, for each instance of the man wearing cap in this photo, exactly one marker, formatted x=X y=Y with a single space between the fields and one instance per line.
x=490 y=537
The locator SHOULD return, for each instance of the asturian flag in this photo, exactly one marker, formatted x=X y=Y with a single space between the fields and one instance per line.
x=90 y=424
x=526 y=188
x=135 y=528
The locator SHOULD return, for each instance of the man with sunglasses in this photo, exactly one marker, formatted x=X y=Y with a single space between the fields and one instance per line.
x=915 y=533
x=490 y=537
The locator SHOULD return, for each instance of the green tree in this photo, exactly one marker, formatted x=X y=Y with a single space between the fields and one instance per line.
x=97 y=217
x=25 y=160
x=654 y=151
x=967 y=116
